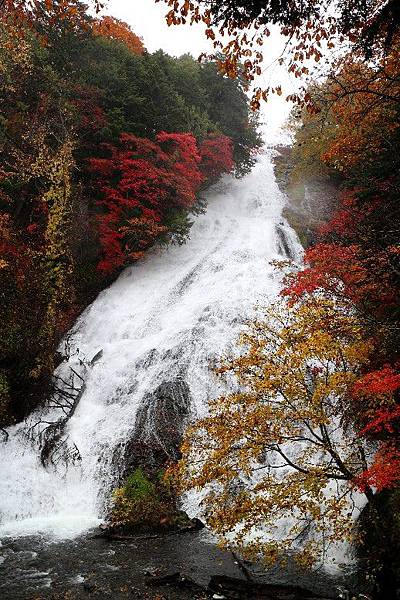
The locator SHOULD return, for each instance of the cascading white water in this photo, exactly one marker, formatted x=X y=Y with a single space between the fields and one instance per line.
x=168 y=316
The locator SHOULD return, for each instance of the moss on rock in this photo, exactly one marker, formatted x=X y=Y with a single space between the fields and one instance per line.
x=143 y=504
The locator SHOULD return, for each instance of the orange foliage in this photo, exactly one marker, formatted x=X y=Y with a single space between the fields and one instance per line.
x=26 y=12
x=114 y=29
x=364 y=103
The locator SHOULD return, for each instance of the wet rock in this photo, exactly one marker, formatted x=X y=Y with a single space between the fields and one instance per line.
x=89 y=586
x=157 y=434
x=238 y=589
x=285 y=245
x=311 y=200
x=149 y=504
x=177 y=523
x=176 y=580
x=96 y=357
x=196 y=525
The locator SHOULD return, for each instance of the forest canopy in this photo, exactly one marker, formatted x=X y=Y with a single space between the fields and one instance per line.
x=82 y=98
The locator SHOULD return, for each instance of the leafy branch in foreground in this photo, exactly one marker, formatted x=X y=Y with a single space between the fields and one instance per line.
x=279 y=454
x=240 y=29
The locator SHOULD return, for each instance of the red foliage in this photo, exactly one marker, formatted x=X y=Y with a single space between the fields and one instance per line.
x=384 y=381
x=383 y=421
x=91 y=115
x=344 y=271
x=141 y=182
x=354 y=218
x=216 y=156
x=14 y=254
x=384 y=473
x=32 y=228
x=341 y=223
x=376 y=389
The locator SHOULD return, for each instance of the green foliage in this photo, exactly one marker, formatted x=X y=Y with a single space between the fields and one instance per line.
x=145 y=94
x=142 y=503
x=139 y=487
x=179 y=224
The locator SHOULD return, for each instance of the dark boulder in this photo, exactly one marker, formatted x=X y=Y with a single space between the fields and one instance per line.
x=232 y=588
x=158 y=430
x=146 y=502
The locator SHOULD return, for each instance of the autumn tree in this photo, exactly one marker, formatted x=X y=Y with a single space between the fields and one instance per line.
x=352 y=142
x=216 y=154
x=278 y=456
x=35 y=212
x=114 y=29
x=26 y=13
x=143 y=182
x=378 y=414
x=239 y=29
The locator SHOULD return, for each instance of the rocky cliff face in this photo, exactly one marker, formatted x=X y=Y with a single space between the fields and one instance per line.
x=311 y=200
x=158 y=430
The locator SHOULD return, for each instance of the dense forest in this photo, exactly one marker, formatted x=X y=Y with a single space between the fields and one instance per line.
x=106 y=150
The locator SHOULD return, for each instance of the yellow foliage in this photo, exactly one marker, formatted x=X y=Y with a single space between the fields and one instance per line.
x=279 y=452
x=57 y=169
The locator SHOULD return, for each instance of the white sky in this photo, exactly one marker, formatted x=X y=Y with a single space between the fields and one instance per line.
x=147 y=19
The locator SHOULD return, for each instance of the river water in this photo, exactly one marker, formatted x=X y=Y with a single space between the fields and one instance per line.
x=168 y=317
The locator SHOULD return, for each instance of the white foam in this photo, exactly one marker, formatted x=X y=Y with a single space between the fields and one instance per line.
x=183 y=306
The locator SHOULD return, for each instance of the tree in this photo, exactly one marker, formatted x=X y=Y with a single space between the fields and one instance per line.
x=228 y=107
x=374 y=396
x=114 y=29
x=278 y=456
x=216 y=156
x=143 y=182
x=37 y=200
x=346 y=272
x=353 y=139
x=307 y=25
x=26 y=13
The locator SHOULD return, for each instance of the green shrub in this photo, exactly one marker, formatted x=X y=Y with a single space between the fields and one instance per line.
x=141 y=503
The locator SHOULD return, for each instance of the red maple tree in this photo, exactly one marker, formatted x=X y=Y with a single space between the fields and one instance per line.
x=141 y=181
x=216 y=156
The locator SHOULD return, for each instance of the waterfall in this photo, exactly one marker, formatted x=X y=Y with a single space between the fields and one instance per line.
x=166 y=318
